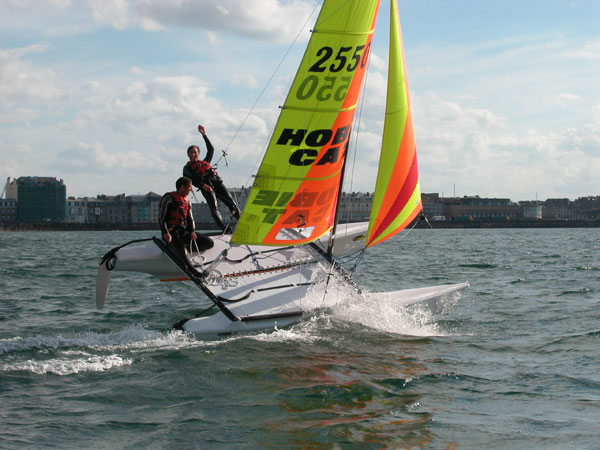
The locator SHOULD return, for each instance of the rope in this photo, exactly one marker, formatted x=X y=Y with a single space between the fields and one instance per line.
x=271 y=78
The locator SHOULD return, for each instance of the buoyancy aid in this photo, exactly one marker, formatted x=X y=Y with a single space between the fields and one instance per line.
x=200 y=169
x=178 y=211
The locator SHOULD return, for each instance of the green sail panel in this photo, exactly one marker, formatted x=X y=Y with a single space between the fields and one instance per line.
x=294 y=194
x=397 y=196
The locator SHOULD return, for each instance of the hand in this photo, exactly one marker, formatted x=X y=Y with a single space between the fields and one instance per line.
x=193 y=235
x=201 y=130
x=206 y=187
x=167 y=237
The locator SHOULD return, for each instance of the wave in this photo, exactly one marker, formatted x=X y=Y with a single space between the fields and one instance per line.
x=89 y=351
x=68 y=366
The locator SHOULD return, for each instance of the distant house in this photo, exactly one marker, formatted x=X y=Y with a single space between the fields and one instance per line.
x=39 y=199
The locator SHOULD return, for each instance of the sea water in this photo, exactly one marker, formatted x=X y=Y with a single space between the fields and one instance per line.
x=512 y=364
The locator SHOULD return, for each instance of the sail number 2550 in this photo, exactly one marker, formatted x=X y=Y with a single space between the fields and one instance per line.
x=325 y=53
x=347 y=58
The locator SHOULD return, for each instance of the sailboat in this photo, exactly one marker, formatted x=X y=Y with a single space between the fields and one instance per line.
x=287 y=240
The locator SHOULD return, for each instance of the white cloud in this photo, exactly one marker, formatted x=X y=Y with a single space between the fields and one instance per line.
x=136 y=70
x=246 y=80
x=589 y=51
x=473 y=150
x=567 y=99
x=213 y=38
x=60 y=4
x=84 y=158
x=113 y=12
x=15 y=157
x=258 y=19
x=269 y=20
x=25 y=88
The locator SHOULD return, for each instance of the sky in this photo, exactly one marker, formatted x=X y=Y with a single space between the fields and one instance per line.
x=107 y=94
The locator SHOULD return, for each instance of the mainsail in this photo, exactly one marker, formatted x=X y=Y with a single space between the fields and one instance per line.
x=397 y=196
x=294 y=195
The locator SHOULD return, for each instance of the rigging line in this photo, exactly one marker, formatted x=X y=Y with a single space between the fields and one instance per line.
x=424 y=217
x=408 y=230
x=237 y=132
x=259 y=157
x=357 y=133
x=271 y=78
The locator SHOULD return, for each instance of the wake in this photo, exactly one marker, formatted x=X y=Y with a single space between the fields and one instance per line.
x=88 y=351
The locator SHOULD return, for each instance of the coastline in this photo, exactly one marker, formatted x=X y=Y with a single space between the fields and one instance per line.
x=487 y=223
x=421 y=224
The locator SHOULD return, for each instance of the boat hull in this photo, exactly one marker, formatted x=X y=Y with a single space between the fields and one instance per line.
x=251 y=287
x=219 y=326
x=149 y=258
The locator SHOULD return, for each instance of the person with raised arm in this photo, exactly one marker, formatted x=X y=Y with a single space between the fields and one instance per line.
x=207 y=180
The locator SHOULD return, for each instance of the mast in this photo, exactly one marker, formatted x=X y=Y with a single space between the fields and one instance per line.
x=337 y=205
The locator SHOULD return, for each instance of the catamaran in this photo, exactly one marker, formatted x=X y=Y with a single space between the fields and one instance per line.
x=287 y=241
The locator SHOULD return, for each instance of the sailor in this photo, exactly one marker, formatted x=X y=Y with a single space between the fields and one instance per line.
x=207 y=180
x=177 y=223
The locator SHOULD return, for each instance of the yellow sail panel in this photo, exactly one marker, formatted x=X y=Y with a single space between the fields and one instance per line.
x=397 y=196
x=294 y=194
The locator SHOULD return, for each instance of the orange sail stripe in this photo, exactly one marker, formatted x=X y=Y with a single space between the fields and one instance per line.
x=401 y=200
x=403 y=165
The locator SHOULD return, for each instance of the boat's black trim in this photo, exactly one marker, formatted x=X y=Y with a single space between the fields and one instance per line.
x=271 y=316
x=269 y=269
x=245 y=297
x=179 y=325
x=195 y=278
x=252 y=254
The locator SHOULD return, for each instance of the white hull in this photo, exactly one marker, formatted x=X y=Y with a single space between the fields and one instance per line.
x=218 y=325
x=148 y=258
x=252 y=287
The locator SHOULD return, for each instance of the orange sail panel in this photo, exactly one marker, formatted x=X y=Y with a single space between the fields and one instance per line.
x=294 y=194
x=397 y=196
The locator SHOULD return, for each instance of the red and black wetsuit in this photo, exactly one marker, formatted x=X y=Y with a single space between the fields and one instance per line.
x=176 y=218
x=201 y=173
x=175 y=213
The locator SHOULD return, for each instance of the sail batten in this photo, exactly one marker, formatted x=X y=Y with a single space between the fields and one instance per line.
x=322 y=110
x=344 y=33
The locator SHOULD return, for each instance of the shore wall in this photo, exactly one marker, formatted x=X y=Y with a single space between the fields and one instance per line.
x=49 y=226
x=546 y=223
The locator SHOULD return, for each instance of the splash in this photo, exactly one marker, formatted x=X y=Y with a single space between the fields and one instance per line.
x=380 y=311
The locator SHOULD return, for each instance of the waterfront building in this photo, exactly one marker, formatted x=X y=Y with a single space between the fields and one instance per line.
x=559 y=208
x=588 y=207
x=355 y=207
x=8 y=210
x=477 y=208
x=433 y=206
x=77 y=210
x=39 y=199
x=144 y=208
x=531 y=210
